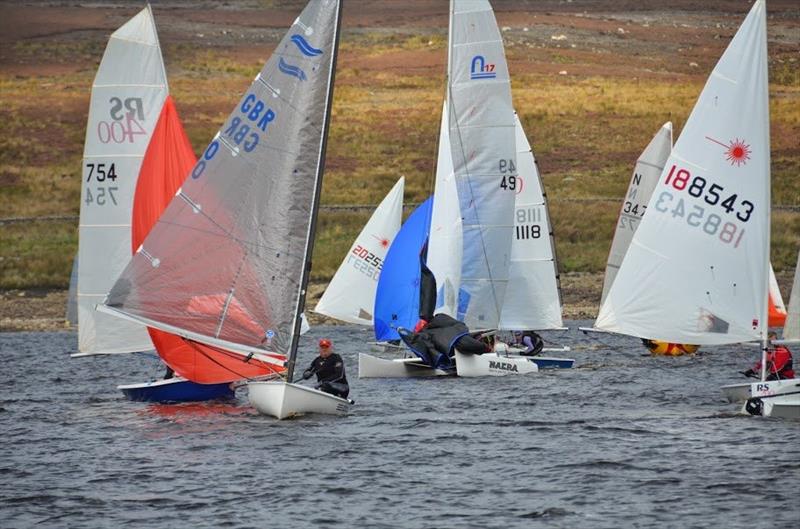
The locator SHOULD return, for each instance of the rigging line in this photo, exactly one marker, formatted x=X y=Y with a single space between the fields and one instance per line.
x=230 y=294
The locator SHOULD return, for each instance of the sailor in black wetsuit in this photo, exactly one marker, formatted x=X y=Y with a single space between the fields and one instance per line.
x=329 y=368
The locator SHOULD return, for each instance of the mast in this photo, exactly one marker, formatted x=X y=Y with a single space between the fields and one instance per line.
x=768 y=202
x=312 y=226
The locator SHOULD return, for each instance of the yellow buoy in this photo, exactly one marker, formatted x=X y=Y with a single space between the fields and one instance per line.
x=658 y=347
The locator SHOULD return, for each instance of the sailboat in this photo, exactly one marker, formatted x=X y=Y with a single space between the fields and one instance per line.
x=742 y=392
x=470 y=240
x=128 y=93
x=646 y=174
x=227 y=264
x=169 y=158
x=712 y=203
x=350 y=295
x=533 y=296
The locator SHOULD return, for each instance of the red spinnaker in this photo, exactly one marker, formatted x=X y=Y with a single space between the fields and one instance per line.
x=169 y=158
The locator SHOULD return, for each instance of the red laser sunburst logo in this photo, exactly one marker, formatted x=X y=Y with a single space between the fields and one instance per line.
x=384 y=242
x=736 y=151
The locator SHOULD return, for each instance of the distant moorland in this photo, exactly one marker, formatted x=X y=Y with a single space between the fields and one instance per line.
x=592 y=82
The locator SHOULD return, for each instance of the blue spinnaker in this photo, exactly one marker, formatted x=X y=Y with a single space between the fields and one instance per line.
x=397 y=297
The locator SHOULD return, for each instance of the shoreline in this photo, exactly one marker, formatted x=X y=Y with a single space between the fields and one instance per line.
x=44 y=310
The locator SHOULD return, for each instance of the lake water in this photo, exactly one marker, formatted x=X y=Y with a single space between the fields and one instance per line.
x=623 y=440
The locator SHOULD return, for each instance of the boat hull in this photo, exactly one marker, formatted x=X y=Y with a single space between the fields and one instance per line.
x=775 y=398
x=176 y=390
x=493 y=364
x=737 y=392
x=548 y=362
x=373 y=367
x=283 y=400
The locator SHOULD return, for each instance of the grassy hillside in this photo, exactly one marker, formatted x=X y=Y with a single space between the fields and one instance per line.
x=589 y=103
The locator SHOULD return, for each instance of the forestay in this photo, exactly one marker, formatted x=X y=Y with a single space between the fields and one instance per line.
x=225 y=263
x=483 y=150
x=791 y=329
x=127 y=95
x=696 y=270
x=533 y=296
x=646 y=174
x=350 y=295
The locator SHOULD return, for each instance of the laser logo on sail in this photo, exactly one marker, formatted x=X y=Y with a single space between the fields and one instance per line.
x=480 y=69
x=737 y=152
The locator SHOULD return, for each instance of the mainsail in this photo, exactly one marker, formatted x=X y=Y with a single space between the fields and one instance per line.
x=697 y=268
x=484 y=156
x=791 y=329
x=227 y=263
x=533 y=295
x=127 y=96
x=646 y=174
x=350 y=295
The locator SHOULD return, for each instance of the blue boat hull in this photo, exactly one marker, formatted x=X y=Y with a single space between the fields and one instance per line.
x=553 y=363
x=176 y=390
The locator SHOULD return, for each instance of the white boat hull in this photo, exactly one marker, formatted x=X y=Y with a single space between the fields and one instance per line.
x=282 y=400
x=737 y=392
x=493 y=364
x=387 y=347
x=775 y=398
x=373 y=367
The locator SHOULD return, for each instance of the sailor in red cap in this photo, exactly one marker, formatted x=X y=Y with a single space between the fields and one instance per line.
x=329 y=368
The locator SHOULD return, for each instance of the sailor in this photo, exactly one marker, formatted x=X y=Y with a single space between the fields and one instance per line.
x=329 y=368
x=779 y=362
x=531 y=341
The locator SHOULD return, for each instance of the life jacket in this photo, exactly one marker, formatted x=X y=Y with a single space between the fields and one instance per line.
x=779 y=363
x=536 y=340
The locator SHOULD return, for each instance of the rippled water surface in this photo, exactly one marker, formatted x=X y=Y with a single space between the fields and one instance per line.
x=624 y=440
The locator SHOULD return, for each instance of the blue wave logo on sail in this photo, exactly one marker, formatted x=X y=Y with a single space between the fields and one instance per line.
x=480 y=69
x=289 y=69
x=305 y=48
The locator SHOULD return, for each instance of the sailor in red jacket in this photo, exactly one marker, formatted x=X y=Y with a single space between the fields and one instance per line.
x=779 y=363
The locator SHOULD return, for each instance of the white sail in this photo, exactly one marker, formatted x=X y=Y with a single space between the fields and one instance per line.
x=533 y=297
x=646 y=173
x=791 y=329
x=483 y=149
x=350 y=295
x=696 y=270
x=444 y=244
x=127 y=95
